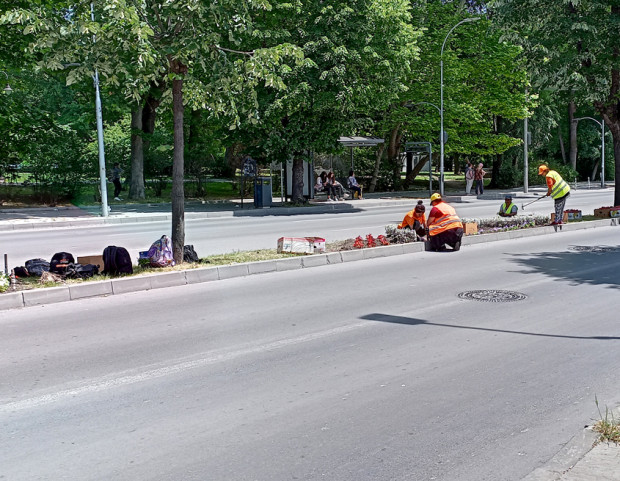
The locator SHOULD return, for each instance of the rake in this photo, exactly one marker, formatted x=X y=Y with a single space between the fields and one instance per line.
x=524 y=205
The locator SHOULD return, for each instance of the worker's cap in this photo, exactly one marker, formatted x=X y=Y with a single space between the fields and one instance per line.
x=508 y=197
x=542 y=169
x=435 y=197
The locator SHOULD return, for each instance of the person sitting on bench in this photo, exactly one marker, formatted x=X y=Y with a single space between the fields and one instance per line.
x=354 y=186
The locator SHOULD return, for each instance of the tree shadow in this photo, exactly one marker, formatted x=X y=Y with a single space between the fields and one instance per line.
x=595 y=265
x=417 y=322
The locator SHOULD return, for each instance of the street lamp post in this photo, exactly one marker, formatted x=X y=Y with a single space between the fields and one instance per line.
x=441 y=133
x=601 y=124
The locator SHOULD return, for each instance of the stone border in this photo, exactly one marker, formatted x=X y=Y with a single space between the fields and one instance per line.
x=34 y=297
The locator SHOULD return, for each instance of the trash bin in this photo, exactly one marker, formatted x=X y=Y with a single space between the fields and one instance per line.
x=262 y=192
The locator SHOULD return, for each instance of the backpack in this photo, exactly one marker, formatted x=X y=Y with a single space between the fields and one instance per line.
x=189 y=254
x=36 y=267
x=21 y=271
x=79 y=271
x=59 y=262
x=116 y=260
x=160 y=253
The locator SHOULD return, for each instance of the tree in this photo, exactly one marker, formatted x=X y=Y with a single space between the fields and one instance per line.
x=212 y=47
x=571 y=46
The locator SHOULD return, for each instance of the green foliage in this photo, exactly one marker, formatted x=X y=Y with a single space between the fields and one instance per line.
x=509 y=176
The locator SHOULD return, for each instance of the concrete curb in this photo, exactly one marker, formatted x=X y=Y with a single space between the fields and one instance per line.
x=13 y=300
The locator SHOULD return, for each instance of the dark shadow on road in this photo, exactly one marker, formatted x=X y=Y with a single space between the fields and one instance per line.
x=596 y=265
x=411 y=321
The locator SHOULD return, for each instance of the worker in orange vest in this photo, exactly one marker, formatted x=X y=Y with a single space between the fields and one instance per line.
x=444 y=226
x=415 y=220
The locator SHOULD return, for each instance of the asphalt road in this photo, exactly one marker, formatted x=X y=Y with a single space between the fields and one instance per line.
x=227 y=234
x=371 y=370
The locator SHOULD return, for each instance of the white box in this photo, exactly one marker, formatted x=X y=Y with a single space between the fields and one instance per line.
x=301 y=245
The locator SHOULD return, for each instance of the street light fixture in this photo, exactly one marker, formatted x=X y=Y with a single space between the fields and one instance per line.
x=8 y=88
x=601 y=124
x=442 y=138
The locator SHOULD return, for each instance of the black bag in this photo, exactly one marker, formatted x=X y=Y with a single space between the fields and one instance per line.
x=79 y=271
x=189 y=254
x=21 y=271
x=36 y=267
x=59 y=262
x=116 y=260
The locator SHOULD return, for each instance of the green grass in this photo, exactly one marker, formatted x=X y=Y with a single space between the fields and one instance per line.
x=607 y=426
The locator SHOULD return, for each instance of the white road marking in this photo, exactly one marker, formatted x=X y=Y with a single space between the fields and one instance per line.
x=121 y=379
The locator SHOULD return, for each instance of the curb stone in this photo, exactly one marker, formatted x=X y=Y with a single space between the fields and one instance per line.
x=14 y=300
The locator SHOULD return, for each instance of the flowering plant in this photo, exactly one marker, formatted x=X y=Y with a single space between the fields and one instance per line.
x=383 y=240
x=502 y=224
x=4 y=283
x=370 y=241
x=359 y=242
x=394 y=235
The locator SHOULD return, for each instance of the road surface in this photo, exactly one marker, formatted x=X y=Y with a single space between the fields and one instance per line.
x=371 y=370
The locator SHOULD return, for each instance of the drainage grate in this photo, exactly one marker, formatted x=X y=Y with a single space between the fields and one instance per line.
x=492 y=295
x=595 y=249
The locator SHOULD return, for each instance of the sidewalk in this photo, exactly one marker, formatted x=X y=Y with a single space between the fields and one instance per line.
x=577 y=461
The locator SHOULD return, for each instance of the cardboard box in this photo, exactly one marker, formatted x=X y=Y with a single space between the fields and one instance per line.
x=470 y=228
x=93 y=259
x=573 y=214
x=603 y=212
x=615 y=212
x=301 y=245
x=564 y=217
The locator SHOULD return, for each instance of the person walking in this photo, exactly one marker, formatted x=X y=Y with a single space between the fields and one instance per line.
x=557 y=188
x=507 y=209
x=479 y=178
x=116 y=180
x=444 y=226
x=469 y=177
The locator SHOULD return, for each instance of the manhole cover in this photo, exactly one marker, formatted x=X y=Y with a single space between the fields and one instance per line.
x=593 y=249
x=493 y=295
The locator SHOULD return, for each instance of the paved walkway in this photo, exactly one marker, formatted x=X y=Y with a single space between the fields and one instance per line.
x=577 y=461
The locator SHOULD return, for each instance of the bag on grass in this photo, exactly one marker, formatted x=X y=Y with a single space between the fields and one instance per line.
x=160 y=253
x=36 y=267
x=59 y=262
x=21 y=272
x=81 y=271
x=189 y=254
x=116 y=260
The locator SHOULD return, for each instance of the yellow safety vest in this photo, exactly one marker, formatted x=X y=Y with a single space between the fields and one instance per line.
x=506 y=209
x=560 y=188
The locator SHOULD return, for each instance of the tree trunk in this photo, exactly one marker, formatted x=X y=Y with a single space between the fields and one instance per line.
x=393 y=151
x=136 y=188
x=497 y=162
x=572 y=153
x=297 y=191
x=178 y=170
x=610 y=111
x=375 y=172
x=562 y=149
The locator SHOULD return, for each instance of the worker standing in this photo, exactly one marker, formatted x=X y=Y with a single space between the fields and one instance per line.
x=558 y=189
x=444 y=226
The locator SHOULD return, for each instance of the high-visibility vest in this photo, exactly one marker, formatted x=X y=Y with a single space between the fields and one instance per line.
x=506 y=209
x=560 y=188
x=448 y=220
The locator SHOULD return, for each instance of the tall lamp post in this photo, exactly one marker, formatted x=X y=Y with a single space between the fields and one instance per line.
x=601 y=124
x=442 y=138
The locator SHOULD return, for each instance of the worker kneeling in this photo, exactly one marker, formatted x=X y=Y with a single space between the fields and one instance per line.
x=415 y=220
x=507 y=209
x=444 y=226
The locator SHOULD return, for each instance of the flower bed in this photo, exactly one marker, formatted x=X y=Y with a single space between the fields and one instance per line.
x=502 y=224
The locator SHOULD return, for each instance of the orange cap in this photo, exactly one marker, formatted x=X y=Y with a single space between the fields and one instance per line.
x=542 y=169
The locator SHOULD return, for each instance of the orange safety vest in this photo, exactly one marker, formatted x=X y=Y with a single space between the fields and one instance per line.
x=448 y=220
x=410 y=219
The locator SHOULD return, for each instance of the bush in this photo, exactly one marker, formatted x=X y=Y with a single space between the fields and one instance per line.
x=509 y=176
x=395 y=235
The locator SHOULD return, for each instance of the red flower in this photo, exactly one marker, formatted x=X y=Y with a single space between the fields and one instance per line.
x=383 y=240
x=359 y=242
x=370 y=241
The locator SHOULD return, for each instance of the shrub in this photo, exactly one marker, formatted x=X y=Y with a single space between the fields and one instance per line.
x=395 y=235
